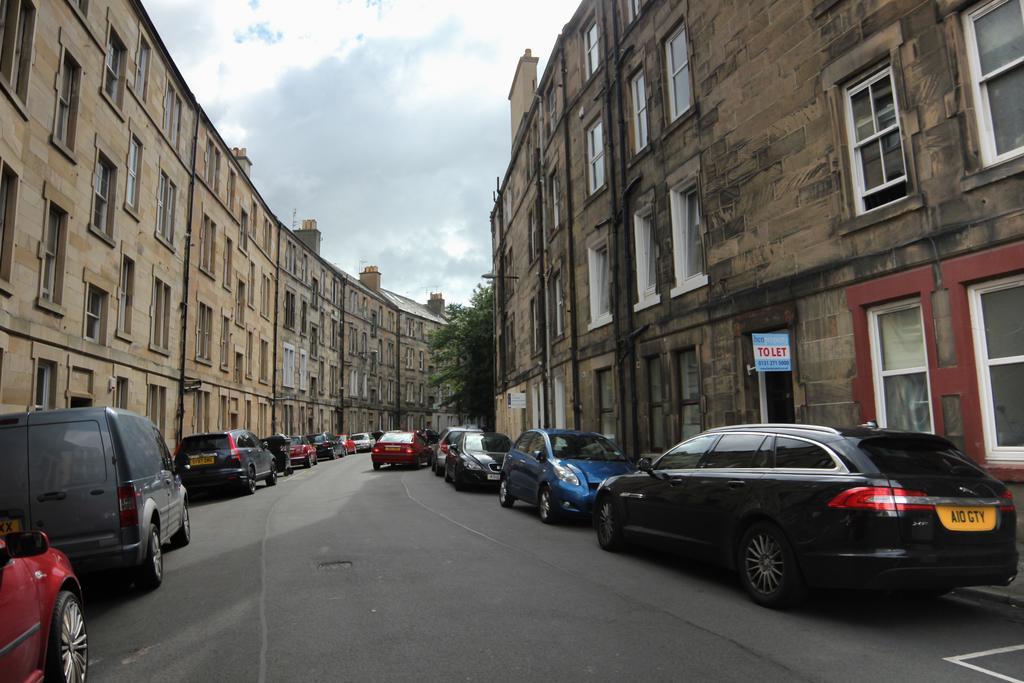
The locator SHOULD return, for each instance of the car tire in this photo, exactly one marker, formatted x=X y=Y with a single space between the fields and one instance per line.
x=447 y=477
x=289 y=470
x=249 y=485
x=308 y=463
x=437 y=471
x=182 y=536
x=546 y=509
x=608 y=525
x=272 y=477
x=376 y=465
x=67 y=649
x=768 y=567
x=460 y=485
x=150 y=574
x=505 y=499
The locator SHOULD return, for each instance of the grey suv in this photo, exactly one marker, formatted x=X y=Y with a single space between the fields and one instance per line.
x=99 y=482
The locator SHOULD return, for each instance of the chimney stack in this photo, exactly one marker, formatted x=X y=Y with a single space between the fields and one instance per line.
x=243 y=159
x=524 y=86
x=309 y=235
x=370 y=277
x=436 y=303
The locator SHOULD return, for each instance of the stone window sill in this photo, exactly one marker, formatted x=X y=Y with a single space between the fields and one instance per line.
x=14 y=97
x=132 y=211
x=113 y=105
x=906 y=205
x=689 y=285
x=68 y=153
x=159 y=351
x=163 y=241
x=992 y=174
x=600 y=322
x=647 y=302
x=109 y=240
x=50 y=307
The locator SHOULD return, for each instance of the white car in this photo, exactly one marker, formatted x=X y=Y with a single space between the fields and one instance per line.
x=363 y=442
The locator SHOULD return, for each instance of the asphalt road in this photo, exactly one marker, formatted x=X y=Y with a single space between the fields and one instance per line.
x=341 y=573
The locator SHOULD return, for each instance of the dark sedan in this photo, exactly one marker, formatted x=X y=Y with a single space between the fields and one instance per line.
x=475 y=458
x=326 y=446
x=234 y=458
x=797 y=506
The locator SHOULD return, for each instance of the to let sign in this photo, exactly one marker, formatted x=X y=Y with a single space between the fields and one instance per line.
x=516 y=399
x=771 y=352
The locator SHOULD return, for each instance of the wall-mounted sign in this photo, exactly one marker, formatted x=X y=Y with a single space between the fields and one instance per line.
x=516 y=399
x=771 y=352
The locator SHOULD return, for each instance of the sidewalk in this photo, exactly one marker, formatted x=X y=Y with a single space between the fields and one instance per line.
x=1011 y=595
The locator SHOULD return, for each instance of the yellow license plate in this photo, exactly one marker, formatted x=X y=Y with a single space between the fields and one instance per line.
x=392 y=448
x=202 y=460
x=967 y=519
x=9 y=525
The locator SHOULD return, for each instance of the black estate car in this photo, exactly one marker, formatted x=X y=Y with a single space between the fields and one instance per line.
x=790 y=506
x=234 y=458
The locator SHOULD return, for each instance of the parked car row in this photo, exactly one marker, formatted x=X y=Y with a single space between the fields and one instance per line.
x=787 y=507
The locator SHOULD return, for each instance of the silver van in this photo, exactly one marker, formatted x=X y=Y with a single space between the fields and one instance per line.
x=99 y=482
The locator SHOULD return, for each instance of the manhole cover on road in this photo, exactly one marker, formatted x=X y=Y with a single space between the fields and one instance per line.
x=334 y=566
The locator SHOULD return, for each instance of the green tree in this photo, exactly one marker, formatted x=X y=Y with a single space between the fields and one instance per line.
x=463 y=354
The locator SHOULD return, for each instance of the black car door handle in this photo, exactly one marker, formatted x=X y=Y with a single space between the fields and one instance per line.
x=53 y=495
x=737 y=483
x=96 y=492
x=676 y=481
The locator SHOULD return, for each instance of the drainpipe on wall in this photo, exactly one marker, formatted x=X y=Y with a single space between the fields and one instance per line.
x=344 y=286
x=542 y=291
x=574 y=331
x=277 y=309
x=179 y=426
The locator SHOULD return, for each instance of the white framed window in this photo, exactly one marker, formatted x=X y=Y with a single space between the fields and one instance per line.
x=632 y=10
x=557 y=305
x=677 y=62
x=646 y=262
x=999 y=349
x=640 y=134
x=204 y=325
x=134 y=162
x=225 y=341
x=556 y=201
x=876 y=142
x=113 y=68
x=595 y=156
x=303 y=369
x=141 y=68
x=171 y=122
x=46 y=385
x=126 y=296
x=66 y=120
x=156 y=406
x=121 y=393
x=687 y=242
x=103 y=195
x=53 y=249
x=600 y=286
x=161 y=318
x=95 y=314
x=592 y=49
x=288 y=366
x=17 y=31
x=994 y=33
x=899 y=365
x=167 y=199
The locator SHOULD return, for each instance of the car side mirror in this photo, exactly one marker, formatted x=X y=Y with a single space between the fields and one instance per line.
x=540 y=455
x=453 y=449
x=26 y=544
x=645 y=465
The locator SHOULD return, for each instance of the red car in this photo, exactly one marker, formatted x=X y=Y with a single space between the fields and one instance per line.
x=400 y=448
x=350 y=445
x=42 y=632
x=302 y=452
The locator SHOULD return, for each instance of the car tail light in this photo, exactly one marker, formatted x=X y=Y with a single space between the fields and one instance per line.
x=444 y=447
x=881 y=498
x=235 y=454
x=126 y=505
x=408 y=450
x=1008 y=505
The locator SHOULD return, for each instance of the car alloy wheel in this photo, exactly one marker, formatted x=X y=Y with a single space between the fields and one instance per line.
x=67 y=651
x=505 y=499
x=764 y=563
x=545 y=506
x=250 y=484
x=609 y=532
x=182 y=537
x=150 y=574
x=768 y=567
x=272 y=477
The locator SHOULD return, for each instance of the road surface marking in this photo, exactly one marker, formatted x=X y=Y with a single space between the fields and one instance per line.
x=960 y=660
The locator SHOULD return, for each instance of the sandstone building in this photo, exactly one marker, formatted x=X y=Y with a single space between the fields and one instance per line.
x=685 y=176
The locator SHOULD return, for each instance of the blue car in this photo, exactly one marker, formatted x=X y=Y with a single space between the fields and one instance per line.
x=559 y=471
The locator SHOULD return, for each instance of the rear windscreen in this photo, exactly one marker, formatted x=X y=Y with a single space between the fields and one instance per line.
x=396 y=438
x=919 y=457
x=204 y=444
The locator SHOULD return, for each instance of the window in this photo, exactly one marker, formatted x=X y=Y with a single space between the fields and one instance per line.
x=8 y=211
x=95 y=314
x=557 y=304
x=796 y=454
x=171 y=122
x=160 y=334
x=166 y=200
x=243 y=232
x=17 y=27
x=900 y=367
x=103 y=197
x=422 y=362
x=606 y=403
x=228 y=255
x=240 y=303
x=207 y=159
x=657 y=397
x=216 y=170
x=999 y=346
x=225 y=341
x=264 y=360
x=689 y=394
x=113 y=69
x=592 y=49
x=995 y=48
x=595 y=156
x=207 y=244
x=202 y=411
x=687 y=245
x=304 y=370
x=203 y=331
x=156 y=406
x=737 y=451
x=66 y=119
x=639 y=90
x=121 y=393
x=600 y=287
x=876 y=145
x=535 y=338
x=250 y=353
x=677 y=61
x=686 y=456
x=303 y=314
x=646 y=262
x=141 y=68
x=556 y=203
x=53 y=246
x=126 y=296
x=231 y=191
x=289 y=310
x=552 y=107
x=239 y=359
x=632 y=9
x=252 y=285
x=313 y=341
x=46 y=385
x=134 y=161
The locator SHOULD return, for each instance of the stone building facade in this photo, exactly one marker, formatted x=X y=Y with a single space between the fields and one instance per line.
x=139 y=265
x=692 y=174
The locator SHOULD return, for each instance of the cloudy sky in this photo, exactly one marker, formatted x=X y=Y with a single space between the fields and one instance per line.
x=386 y=120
